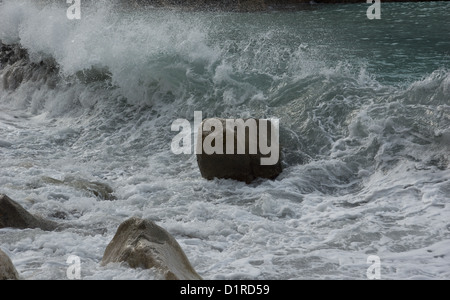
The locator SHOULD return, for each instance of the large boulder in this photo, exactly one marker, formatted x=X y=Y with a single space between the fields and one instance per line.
x=7 y=269
x=13 y=215
x=143 y=244
x=232 y=163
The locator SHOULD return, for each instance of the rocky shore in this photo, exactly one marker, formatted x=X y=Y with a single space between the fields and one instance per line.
x=138 y=243
x=141 y=243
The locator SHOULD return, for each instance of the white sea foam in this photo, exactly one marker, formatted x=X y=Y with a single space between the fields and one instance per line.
x=366 y=166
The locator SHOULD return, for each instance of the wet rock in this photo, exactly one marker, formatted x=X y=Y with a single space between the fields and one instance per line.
x=14 y=215
x=98 y=189
x=242 y=167
x=10 y=54
x=7 y=269
x=143 y=244
x=17 y=68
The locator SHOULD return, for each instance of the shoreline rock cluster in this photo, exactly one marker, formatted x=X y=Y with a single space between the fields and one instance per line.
x=138 y=243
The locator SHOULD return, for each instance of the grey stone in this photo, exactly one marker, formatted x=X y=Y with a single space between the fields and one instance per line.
x=143 y=244
x=98 y=189
x=7 y=269
x=242 y=167
x=14 y=215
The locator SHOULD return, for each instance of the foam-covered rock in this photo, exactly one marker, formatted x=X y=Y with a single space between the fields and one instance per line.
x=100 y=190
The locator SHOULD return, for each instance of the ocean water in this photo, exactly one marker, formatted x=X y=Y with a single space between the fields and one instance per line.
x=364 y=110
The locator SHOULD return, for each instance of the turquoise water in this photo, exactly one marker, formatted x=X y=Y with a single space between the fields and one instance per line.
x=364 y=125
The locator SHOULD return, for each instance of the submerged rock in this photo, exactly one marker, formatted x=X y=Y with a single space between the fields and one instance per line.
x=242 y=167
x=5 y=144
x=7 y=269
x=14 y=215
x=98 y=189
x=143 y=244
